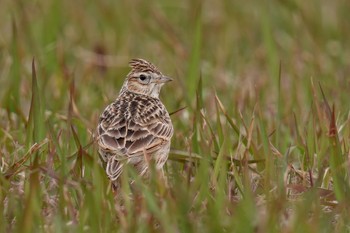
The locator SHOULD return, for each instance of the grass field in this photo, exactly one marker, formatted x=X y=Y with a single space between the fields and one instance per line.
x=262 y=145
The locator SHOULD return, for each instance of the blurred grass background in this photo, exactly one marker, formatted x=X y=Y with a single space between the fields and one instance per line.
x=262 y=146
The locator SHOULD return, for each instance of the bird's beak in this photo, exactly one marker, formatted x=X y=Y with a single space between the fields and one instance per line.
x=164 y=79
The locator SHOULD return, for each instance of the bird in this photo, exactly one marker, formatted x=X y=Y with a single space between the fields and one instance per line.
x=136 y=128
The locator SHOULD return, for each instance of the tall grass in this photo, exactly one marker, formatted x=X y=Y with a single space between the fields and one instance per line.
x=262 y=145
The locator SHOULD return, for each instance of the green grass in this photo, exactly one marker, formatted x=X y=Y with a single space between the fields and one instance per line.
x=262 y=146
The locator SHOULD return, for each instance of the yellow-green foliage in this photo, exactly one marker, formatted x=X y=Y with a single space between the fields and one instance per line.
x=262 y=145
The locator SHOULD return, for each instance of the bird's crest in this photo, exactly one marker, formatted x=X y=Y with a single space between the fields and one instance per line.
x=140 y=65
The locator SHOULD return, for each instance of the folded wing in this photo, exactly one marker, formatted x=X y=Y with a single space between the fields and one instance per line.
x=127 y=136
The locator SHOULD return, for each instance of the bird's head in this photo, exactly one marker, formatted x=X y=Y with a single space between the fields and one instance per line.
x=144 y=78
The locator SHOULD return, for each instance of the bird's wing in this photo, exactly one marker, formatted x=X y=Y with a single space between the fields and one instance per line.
x=135 y=129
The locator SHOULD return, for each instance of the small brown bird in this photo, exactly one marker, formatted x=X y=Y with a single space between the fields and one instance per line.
x=136 y=128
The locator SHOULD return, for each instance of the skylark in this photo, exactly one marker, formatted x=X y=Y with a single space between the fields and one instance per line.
x=136 y=128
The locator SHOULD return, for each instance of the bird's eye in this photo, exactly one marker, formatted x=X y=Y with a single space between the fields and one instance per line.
x=143 y=77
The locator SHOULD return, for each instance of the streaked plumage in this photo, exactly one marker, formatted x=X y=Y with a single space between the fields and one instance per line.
x=136 y=127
